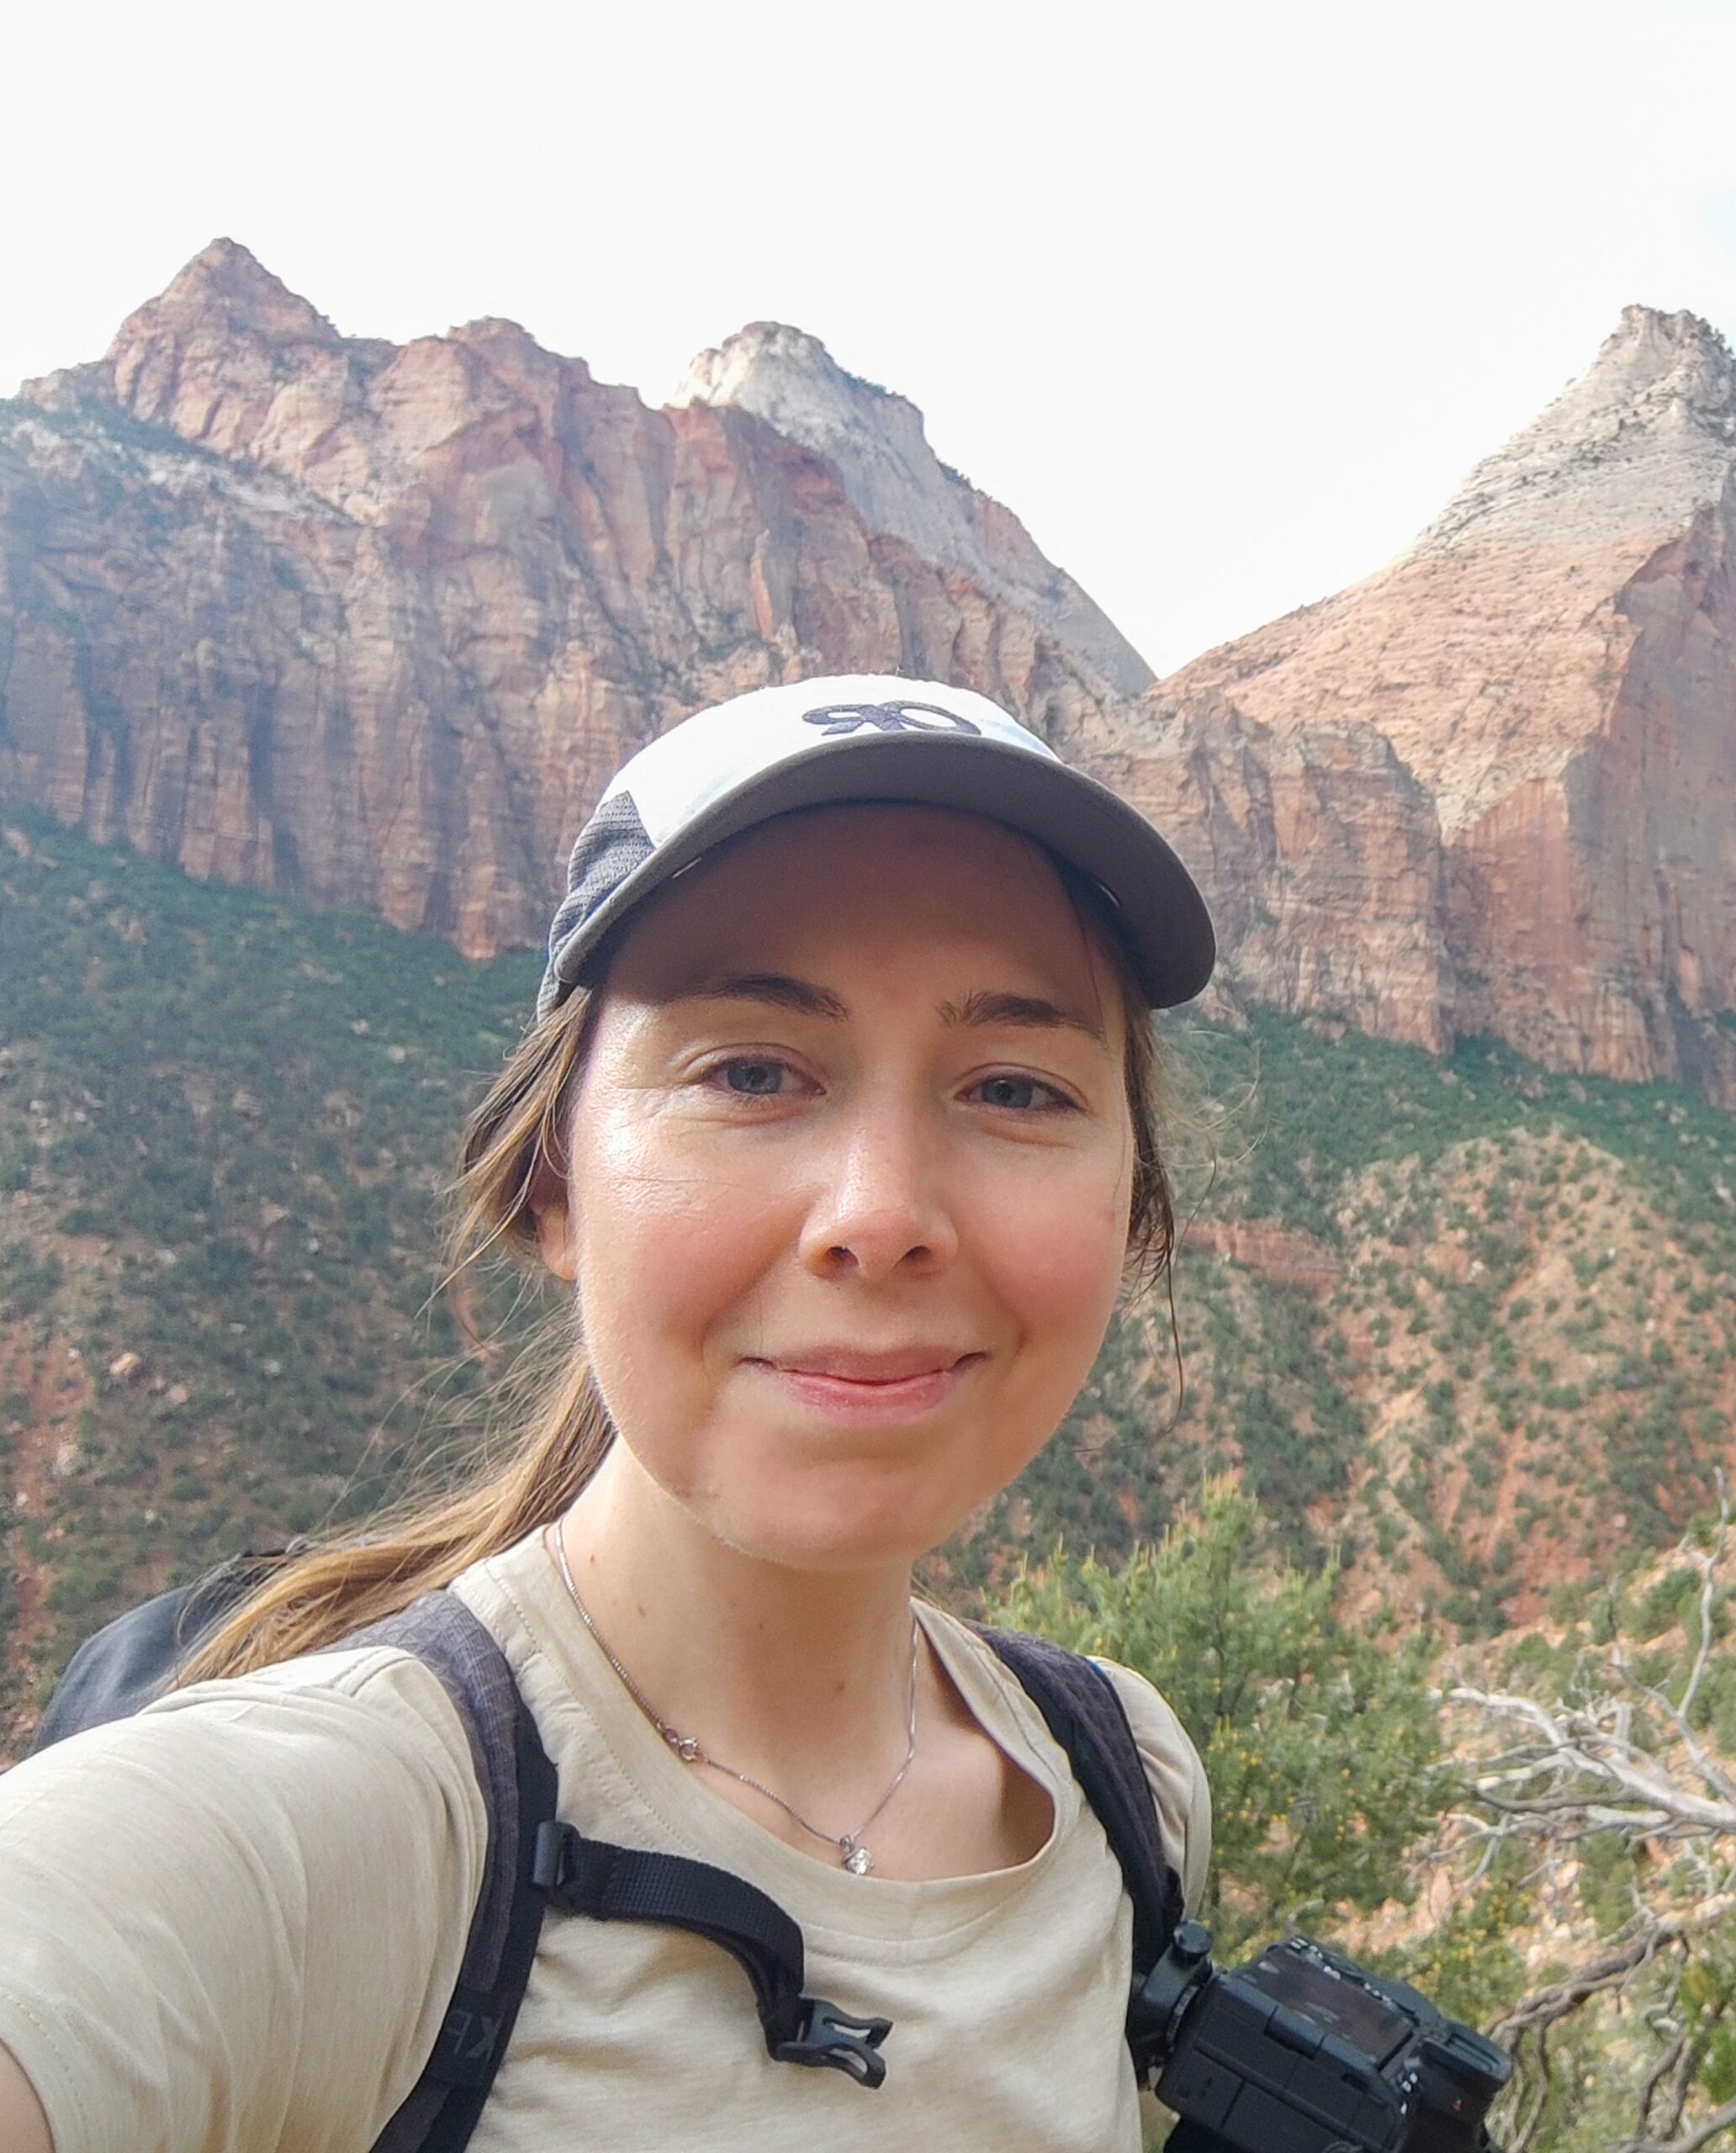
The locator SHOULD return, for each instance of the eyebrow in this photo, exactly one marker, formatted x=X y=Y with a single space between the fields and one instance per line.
x=777 y=989
x=1030 y=1012
x=780 y=991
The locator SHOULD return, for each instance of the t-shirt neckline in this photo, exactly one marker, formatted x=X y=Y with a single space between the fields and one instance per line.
x=688 y=1816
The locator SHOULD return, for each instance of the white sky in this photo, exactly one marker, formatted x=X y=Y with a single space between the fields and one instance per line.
x=1223 y=299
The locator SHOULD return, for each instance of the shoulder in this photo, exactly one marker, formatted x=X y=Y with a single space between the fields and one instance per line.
x=329 y=1715
x=321 y=1763
x=353 y=1750
x=356 y=1712
x=223 y=1853
x=1173 y=1772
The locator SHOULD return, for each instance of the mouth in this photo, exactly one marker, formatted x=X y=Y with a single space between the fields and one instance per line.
x=857 y=1364
x=849 y=1383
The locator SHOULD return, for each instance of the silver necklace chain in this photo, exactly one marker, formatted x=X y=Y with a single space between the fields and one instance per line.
x=854 y=1856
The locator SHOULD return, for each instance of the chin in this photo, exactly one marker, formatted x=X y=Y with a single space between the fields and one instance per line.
x=839 y=1534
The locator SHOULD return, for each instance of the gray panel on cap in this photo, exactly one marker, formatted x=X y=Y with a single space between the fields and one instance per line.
x=612 y=844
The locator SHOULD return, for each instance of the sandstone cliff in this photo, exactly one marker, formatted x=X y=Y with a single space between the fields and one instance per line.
x=876 y=443
x=1551 y=668
x=372 y=624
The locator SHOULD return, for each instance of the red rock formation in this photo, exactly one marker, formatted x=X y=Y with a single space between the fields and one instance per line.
x=1551 y=663
x=375 y=623
x=876 y=442
x=1320 y=851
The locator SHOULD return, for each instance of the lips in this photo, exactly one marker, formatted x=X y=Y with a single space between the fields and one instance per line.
x=857 y=1364
x=858 y=1387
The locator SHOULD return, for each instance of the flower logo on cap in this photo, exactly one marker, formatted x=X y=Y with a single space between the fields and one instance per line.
x=839 y=718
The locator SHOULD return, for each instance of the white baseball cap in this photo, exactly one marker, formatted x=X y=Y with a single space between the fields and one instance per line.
x=869 y=736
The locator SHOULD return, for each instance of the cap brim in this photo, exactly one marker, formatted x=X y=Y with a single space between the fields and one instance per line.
x=1164 y=924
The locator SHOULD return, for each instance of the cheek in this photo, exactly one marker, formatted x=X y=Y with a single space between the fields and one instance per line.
x=1055 y=1261
x=1056 y=1250
x=662 y=1249
x=679 y=1256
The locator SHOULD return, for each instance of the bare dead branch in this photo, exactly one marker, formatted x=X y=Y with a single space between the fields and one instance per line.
x=1580 y=1742
x=1611 y=1969
x=1698 y=2134
x=1710 y=1564
x=1612 y=1753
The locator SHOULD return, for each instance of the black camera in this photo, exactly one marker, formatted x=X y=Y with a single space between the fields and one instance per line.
x=1304 y=2052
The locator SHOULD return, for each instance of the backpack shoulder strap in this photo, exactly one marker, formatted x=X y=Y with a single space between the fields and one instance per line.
x=533 y=1859
x=519 y=1789
x=1085 y=1714
x=133 y=1660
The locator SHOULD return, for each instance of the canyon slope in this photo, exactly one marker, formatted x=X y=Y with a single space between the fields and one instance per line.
x=369 y=624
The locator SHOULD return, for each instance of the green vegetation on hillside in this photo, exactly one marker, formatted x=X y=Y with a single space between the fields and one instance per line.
x=1340 y=1105
x=1514 y=1341
x=1297 y=1716
x=224 y=1125
x=1542 y=1837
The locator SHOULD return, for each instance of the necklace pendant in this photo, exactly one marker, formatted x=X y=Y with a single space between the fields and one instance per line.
x=857 y=1859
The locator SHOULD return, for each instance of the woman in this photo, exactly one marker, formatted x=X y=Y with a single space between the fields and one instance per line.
x=836 y=1120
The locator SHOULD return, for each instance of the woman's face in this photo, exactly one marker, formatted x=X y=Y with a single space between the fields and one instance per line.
x=850 y=1167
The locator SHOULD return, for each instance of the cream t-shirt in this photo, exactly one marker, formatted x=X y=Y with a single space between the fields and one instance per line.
x=233 y=1923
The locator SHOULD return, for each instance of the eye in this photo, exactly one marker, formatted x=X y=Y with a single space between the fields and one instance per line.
x=755 y=1078
x=1023 y=1095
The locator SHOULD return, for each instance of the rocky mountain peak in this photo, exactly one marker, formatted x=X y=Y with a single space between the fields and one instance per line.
x=1651 y=354
x=789 y=379
x=384 y=638
x=1644 y=438
x=225 y=283
x=896 y=483
x=217 y=339
x=1550 y=664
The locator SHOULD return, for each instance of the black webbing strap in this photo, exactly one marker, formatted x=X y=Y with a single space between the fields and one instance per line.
x=479 y=2021
x=611 y=1883
x=1087 y=1717
x=518 y=1787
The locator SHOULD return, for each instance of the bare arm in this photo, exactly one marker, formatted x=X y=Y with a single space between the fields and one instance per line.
x=24 y=2128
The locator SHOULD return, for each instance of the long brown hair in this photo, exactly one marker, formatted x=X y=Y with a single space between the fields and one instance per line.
x=316 y=1596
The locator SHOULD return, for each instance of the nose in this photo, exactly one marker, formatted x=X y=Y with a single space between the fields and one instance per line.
x=881 y=1204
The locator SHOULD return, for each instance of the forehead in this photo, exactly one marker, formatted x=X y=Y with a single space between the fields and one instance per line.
x=836 y=892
